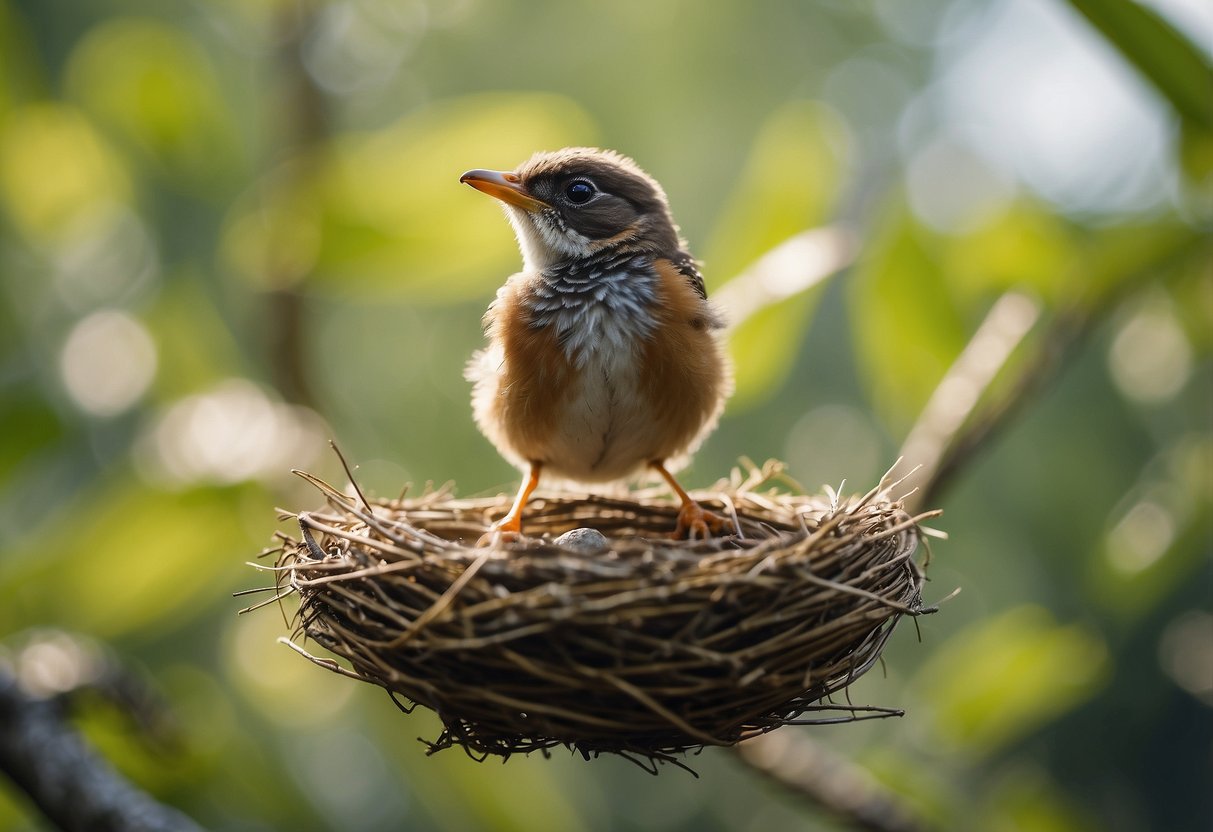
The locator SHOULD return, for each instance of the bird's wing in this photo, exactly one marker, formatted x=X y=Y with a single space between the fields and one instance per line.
x=687 y=267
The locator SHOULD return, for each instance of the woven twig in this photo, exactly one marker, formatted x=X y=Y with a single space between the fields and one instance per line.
x=648 y=647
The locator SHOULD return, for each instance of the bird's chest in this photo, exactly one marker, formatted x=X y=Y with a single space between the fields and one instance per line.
x=601 y=325
x=599 y=430
x=600 y=317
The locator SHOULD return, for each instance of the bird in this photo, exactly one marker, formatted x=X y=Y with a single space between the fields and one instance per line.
x=603 y=359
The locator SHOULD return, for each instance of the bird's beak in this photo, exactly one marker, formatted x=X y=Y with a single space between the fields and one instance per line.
x=504 y=186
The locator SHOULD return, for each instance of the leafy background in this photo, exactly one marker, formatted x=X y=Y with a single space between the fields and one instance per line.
x=231 y=229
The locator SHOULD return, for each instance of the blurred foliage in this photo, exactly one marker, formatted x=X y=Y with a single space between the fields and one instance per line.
x=160 y=541
x=316 y=218
x=154 y=86
x=412 y=236
x=1008 y=676
x=57 y=171
x=790 y=183
x=261 y=187
x=906 y=327
x=1178 y=67
x=796 y=169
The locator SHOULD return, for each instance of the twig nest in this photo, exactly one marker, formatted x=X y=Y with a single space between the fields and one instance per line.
x=597 y=632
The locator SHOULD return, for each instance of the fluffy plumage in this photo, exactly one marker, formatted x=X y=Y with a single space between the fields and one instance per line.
x=603 y=357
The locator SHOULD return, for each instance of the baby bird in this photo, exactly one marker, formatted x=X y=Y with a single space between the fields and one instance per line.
x=603 y=357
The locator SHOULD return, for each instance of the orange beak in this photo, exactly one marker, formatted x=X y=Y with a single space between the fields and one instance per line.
x=504 y=186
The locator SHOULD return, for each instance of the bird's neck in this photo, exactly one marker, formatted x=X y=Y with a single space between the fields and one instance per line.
x=603 y=302
x=612 y=259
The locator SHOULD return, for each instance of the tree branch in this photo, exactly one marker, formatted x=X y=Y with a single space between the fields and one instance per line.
x=794 y=266
x=305 y=116
x=73 y=787
x=829 y=782
x=955 y=429
x=934 y=441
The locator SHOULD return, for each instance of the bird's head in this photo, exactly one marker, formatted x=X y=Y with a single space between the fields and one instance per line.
x=573 y=203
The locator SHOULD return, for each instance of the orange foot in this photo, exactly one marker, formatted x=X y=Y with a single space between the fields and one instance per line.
x=501 y=532
x=696 y=522
x=509 y=528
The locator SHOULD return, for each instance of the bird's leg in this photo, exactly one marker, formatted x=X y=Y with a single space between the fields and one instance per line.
x=510 y=526
x=693 y=519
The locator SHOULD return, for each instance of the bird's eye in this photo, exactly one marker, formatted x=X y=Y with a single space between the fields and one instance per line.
x=579 y=192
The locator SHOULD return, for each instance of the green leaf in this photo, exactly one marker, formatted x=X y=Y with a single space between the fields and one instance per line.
x=1027 y=798
x=760 y=349
x=56 y=171
x=1126 y=254
x=1009 y=675
x=152 y=84
x=790 y=184
x=1180 y=71
x=1158 y=540
x=770 y=305
x=1024 y=248
x=126 y=558
x=1196 y=156
x=905 y=321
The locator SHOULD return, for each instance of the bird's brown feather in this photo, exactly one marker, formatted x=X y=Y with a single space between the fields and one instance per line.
x=686 y=376
x=530 y=387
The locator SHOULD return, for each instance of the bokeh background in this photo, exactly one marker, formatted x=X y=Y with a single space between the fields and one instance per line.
x=232 y=229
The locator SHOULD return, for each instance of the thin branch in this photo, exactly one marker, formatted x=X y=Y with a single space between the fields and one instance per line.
x=951 y=431
x=829 y=782
x=305 y=116
x=796 y=265
x=980 y=426
x=935 y=434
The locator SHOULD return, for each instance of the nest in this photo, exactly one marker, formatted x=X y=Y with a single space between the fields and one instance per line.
x=616 y=640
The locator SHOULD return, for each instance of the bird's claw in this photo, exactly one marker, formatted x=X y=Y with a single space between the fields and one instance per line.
x=697 y=523
x=500 y=532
